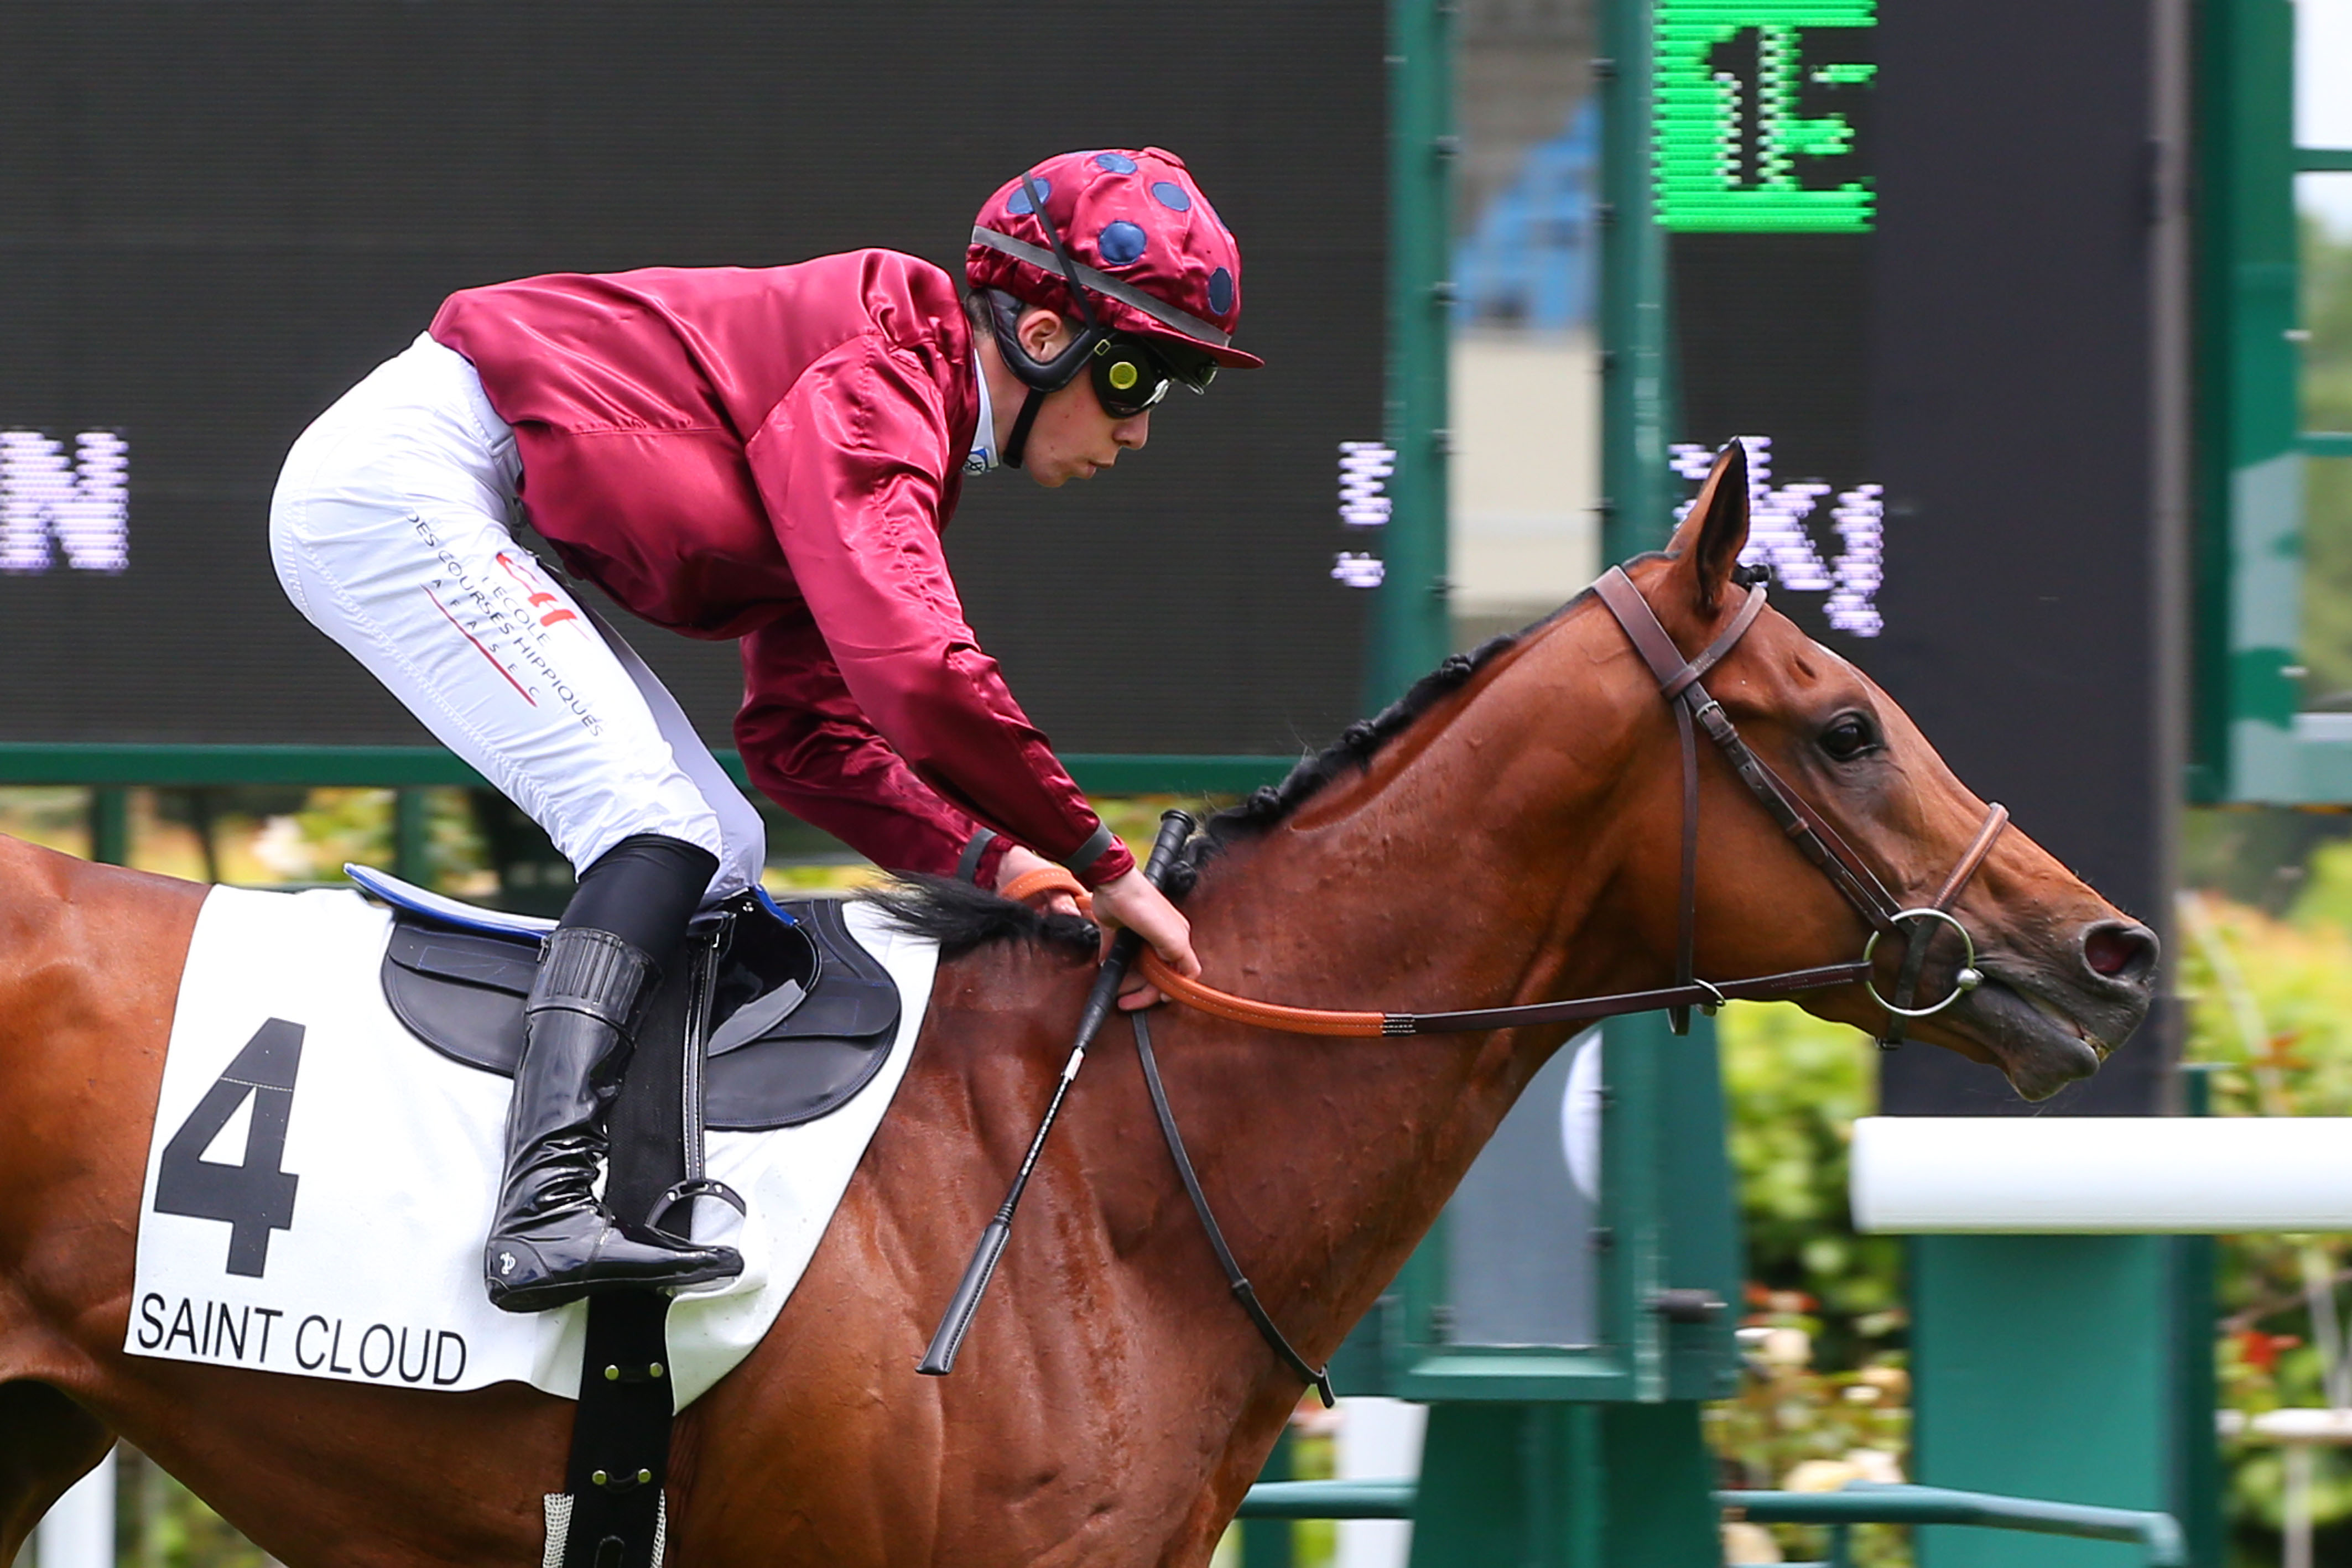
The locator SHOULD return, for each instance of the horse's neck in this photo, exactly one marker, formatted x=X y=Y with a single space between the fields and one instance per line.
x=1468 y=869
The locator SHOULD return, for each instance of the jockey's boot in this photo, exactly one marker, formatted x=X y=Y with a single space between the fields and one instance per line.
x=552 y=1242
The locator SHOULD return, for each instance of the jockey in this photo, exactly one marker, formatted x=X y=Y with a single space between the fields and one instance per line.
x=766 y=455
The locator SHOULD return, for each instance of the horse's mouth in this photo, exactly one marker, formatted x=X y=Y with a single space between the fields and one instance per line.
x=2040 y=1044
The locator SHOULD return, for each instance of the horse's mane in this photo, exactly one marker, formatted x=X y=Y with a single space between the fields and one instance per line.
x=1273 y=804
x=961 y=918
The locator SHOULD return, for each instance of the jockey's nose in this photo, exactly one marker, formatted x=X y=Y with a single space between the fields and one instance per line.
x=1133 y=432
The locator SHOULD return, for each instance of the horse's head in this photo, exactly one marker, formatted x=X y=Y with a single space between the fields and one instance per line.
x=2067 y=977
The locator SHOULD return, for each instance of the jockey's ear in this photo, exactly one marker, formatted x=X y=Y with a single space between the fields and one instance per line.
x=1706 y=545
x=1041 y=333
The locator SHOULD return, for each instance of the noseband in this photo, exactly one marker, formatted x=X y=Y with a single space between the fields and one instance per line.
x=1680 y=682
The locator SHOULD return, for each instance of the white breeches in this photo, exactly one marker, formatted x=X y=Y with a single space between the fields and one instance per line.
x=390 y=532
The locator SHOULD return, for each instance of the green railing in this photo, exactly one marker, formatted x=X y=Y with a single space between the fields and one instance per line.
x=1862 y=1503
x=183 y=766
x=2157 y=1535
x=1330 y=1499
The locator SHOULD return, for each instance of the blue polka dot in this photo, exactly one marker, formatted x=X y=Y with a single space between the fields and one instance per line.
x=1019 y=200
x=1119 y=243
x=1171 y=196
x=1114 y=162
x=1221 y=291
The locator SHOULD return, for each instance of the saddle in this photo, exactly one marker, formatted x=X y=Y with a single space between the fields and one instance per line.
x=793 y=1019
x=773 y=1015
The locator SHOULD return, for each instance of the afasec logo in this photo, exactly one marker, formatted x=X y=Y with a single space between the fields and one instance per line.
x=544 y=601
x=51 y=504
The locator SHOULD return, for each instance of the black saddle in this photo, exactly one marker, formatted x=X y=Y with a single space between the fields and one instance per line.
x=797 y=1019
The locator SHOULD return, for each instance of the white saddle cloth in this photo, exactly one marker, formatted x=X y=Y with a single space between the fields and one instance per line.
x=324 y=1210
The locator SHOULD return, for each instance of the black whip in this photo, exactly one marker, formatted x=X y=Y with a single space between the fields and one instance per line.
x=1175 y=827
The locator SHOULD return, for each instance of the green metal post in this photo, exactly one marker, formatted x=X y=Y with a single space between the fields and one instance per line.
x=2195 y=1293
x=2248 y=469
x=109 y=825
x=1266 y=1542
x=1636 y=383
x=1506 y=1484
x=412 y=819
x=2008 y=1330
x=1413 y=627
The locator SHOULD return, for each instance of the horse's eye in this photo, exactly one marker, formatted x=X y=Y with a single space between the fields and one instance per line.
x=1848 y=736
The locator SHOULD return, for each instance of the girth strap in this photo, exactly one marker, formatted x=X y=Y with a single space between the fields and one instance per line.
x=1316 y=1379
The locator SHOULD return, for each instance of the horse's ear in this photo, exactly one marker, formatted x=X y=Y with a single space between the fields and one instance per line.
x=1715 y=531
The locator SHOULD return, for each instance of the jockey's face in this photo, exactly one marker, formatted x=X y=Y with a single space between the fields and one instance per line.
x=1072 y=437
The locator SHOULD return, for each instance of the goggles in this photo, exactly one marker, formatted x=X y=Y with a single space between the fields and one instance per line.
x=1132 y=373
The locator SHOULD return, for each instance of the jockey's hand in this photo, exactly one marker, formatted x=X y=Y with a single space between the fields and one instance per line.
x=1018 y=861
x=1131 y=901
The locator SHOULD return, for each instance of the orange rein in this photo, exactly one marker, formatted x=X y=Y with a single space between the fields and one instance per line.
x=1046 y=881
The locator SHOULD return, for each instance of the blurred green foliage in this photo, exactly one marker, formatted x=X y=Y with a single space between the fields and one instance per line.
x=1826 y=1399
x=2269 y=1000
x=1795 y=1085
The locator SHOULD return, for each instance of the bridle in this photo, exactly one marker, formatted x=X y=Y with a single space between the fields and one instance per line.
x=1680 y=682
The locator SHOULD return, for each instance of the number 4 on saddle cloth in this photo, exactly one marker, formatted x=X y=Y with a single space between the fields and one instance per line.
x=327 y=1134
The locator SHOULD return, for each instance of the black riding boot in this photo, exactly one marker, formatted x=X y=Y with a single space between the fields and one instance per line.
x=553 y=1242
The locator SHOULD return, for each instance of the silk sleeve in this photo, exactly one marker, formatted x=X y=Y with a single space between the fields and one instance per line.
x=848 y=467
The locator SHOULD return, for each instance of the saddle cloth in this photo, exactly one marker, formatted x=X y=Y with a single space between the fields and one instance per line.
x=319 y=1182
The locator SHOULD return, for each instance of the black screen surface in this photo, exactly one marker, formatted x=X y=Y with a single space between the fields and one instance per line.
x=2011 y=349
x=215 y=218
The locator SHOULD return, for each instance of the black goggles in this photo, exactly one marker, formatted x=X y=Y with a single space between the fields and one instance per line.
x=1132 y=373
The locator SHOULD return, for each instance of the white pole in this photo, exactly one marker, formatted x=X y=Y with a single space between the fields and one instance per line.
x=2101 y=1174
x=1379 y=1440
x=2298 y=1506
x=78 y=1530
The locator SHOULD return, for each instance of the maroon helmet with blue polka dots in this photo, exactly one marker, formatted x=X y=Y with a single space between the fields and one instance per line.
x=1150 y=252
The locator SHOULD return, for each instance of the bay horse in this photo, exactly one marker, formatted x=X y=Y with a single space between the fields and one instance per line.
x=1508 y=832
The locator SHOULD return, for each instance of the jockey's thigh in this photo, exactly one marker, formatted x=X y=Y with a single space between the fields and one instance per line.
x=389 y=531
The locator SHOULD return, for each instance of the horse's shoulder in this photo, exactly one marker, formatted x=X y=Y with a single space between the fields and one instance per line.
x=1016 y=978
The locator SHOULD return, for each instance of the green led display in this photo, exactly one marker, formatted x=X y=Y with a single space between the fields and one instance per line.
x=1745 y=136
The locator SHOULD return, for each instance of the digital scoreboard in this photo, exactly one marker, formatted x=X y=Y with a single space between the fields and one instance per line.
x=1764 y=190
x=215 y=218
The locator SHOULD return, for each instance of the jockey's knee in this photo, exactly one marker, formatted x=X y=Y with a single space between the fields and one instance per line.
x=643 y=890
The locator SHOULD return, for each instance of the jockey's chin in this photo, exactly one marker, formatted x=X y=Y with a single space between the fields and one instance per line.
x=1074 y=439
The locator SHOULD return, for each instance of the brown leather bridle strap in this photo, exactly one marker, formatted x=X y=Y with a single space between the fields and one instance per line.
x=1995 y=820
x=1679 y=681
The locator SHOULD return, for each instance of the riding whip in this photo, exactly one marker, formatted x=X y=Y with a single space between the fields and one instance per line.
x=1175 y=827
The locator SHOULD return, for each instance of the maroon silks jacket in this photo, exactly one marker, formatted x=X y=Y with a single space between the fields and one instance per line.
x=770 y=455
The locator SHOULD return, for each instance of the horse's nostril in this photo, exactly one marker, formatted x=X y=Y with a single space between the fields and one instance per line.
x=2120 y=951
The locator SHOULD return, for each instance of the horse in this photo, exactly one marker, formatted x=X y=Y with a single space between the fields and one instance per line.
x=1508 y=832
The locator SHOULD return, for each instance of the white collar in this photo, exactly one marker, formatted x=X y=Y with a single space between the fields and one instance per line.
x=983 y=457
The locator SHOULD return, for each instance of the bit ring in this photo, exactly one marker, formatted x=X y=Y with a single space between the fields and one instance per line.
x=1968 y=978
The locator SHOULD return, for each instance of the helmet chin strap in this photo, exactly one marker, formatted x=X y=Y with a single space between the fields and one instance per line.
x=1018 y=442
